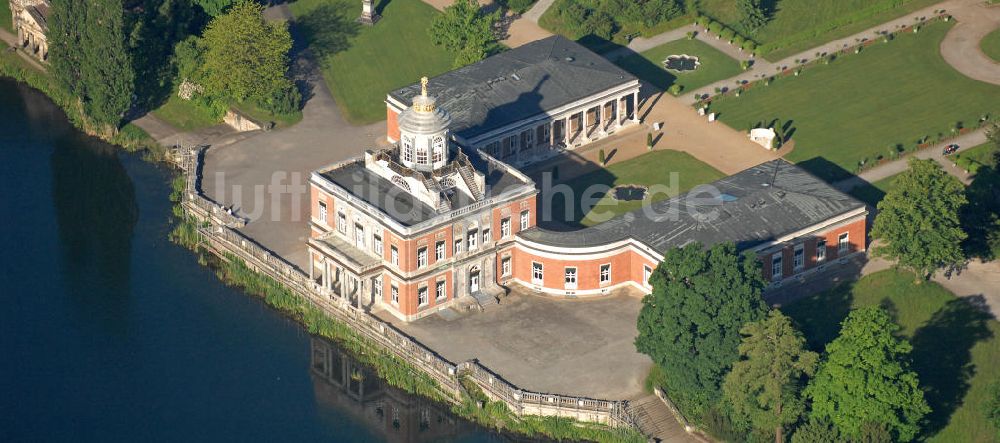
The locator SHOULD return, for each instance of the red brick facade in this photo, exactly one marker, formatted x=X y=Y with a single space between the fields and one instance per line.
x=391 y=123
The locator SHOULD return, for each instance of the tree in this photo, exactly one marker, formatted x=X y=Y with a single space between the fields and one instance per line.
x=865 y=380
x=466 y=30
x=214 y=7
x=919 y=219
x=89 y=56
x=752 y=15
x=763 y=388
x=690 y=323
x=246 y=56
x=816 y=431
x=992 y=409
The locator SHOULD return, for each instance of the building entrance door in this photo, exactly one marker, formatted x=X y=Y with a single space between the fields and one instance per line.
x=474 y=281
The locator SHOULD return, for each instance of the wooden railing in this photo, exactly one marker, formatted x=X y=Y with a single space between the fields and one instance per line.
x=221 y=234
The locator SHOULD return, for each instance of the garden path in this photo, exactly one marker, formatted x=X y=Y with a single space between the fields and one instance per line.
x=888 y=169
x=763 y=68
x=960 y=47
x=641 y=44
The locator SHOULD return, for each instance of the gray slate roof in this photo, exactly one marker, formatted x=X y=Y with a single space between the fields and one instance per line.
x=518 y=84
x=757 y=205
x=403 y=207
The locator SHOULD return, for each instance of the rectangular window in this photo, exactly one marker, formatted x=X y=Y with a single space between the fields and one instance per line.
x=647 y=272
x=394 y=253
x=505 y=266
x=776 y=267
x=359 y=237
x=799 y=257
x=570 y=278
x=422 y=296
x=537 y=272
x=473 y=239
x=439 y=290
x=606 y=273
x=843 y=243
x=377 y=287
x=421 y=156
x=505 y=228
x=458 y=246
x=525 y=219
x=342 y=223
x=421 y=257
x=439 y=251
x=394 y=295
x=322 y=212
x=821 y=249
x=543 y=134
x=377 y=244
x=487 y=237
x=527 y=140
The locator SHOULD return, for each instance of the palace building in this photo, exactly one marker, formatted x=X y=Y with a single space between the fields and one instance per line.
x=31 y=24
x=531 y=102
x=441 y=216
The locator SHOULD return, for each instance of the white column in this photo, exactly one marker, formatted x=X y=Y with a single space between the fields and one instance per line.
x=566 y=129
x=586 y=127
x=600 y=119
x=635 y=106
x=326 y=274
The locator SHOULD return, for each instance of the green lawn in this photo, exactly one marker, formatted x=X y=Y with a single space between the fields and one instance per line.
x=648 y=65
x=991 y=45
x=861 y=106
x=873 y=193
x=956 y=351
x=6 y=19
x=798 y=25
x=654 y=168
x=976 y=157
x=362 y=64
x=186 y=115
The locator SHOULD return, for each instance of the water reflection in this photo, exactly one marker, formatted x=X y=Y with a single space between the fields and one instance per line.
x=96 y=213
x=345 y=387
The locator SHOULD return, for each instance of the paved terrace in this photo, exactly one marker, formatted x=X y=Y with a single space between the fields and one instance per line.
x=574 y=347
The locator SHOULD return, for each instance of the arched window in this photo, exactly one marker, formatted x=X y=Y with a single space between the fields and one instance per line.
x=398 y=181
x=439 y=149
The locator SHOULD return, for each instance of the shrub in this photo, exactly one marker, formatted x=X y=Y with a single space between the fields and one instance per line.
x=727 y=34
x=738 y=41
x=714 y=27
x=518 y=6
x=703 y=21
x=749 y=45
x=690 y=35
x=675 y=89
x=601 y=157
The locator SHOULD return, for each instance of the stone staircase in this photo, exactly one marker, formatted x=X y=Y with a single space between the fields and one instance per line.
x=488 y=299
x=656 y=421
x=469 y=176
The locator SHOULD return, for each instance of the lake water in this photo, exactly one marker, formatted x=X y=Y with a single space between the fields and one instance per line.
x=109 y=332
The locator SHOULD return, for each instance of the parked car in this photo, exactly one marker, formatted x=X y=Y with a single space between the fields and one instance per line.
x=950 y=149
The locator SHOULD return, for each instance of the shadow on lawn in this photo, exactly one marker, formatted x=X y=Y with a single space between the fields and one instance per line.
x=942 y=357
x=819 y=316
x=325 y=31
x=648 y=71
x=825 y=169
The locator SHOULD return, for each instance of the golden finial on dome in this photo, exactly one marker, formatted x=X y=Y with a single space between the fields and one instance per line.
x=423 y=86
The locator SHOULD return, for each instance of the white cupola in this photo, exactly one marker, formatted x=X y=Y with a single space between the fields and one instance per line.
x=423 y=129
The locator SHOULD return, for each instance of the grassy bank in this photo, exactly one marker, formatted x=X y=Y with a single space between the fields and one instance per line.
x=863 y=106
x=991 y=45
x=130 y=137
x=6 y=19
x=976 y=157
x=955 y=345
x=872 y=193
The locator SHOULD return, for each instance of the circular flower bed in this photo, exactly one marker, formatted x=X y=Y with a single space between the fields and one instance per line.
x=628 y=192
x=681 y=63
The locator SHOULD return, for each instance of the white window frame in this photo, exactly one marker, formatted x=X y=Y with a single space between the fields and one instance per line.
x=473 y=237
x=777 y=265
x=844 y=242
x=537 y=272
x=605 y=273
x=377 y=244
x=422 y=296
x=359 y=236
x=440 y=290
x=821 y=250
x=505 y=266
x=394 y=294
x=377 y=287
x=438 y=149
x=505 y=228
x=799 y=257
x=458 y=246
x=394 y=255
x=570 y=277
x=422 y=257
x=439 y=253
x=322 y=211
x=647 y=273
x=525 y=219
x=342 y=223
x=422 y=158
x=487 y=237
